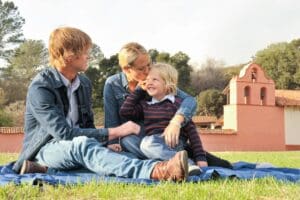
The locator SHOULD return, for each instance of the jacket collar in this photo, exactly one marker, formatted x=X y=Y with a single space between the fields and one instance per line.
x=58 y=81
x=124 y=80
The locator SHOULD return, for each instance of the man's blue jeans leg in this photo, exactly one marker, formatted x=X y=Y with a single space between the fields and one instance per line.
x=89 y=153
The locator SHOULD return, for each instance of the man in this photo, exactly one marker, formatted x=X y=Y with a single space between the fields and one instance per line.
x=59 y=124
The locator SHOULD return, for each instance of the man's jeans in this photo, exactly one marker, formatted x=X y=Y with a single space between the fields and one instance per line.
x=89 y=153
x=154 y=147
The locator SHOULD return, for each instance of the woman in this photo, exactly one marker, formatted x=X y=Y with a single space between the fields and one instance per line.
x=135 y=62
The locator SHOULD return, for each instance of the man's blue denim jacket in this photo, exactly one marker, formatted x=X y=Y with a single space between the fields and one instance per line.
x=115 y=92
x=47 y=105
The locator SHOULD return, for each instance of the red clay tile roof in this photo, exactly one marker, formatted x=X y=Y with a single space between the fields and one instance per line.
x=287 y=97
x=204 y=119
x=11 y=130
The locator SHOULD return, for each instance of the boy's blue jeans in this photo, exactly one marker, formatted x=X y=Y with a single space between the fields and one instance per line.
x=89 y=153
x=154 y=147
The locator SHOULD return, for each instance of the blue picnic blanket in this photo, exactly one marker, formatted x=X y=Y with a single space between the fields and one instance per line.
x=241 y=170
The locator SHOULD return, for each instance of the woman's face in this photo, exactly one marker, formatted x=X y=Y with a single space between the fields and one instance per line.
x=139 y=70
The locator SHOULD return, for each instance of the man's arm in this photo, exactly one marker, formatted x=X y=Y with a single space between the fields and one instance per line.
x=45 y=109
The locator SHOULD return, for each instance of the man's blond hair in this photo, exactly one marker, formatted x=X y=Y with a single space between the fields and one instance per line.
x=67 y=41
x=169 y=74
x=129 y=53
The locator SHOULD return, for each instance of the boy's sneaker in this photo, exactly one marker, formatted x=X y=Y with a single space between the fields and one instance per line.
x=194 y=170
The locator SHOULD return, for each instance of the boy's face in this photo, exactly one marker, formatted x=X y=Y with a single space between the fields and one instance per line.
x=155 y=85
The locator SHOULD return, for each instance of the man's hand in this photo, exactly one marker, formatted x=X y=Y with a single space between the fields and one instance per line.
x=123 y=130
x=202 y=163
x=115 y=147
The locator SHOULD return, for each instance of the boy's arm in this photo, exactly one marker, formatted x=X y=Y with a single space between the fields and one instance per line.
x=131 y=108
x=199 y=154
x=183 y=115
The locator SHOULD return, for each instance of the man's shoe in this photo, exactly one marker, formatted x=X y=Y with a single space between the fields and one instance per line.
x=175 y=169
x=32 y=167
x=194 y=170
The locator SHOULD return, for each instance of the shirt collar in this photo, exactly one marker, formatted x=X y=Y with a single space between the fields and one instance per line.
x=75 y=84
x=170 y=97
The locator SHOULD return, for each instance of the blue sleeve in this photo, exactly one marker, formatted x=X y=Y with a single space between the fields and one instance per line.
x=188 y=106
x=42 y=102
x=111 y=107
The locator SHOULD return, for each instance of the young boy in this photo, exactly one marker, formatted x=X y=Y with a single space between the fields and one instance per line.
x=157 y=112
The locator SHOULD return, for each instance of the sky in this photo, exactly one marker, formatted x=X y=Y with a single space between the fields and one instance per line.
x=231 y=31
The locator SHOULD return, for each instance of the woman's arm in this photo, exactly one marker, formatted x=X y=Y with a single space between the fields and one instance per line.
x=187 y=108
x=111 y=107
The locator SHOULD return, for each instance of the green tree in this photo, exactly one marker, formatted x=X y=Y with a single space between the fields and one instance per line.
x=24 y=64
x=180 y=61
x=5 y=119
x=281 y=61
x=96 y=56
x=153 y=54
x=3 y=98
x=163 y=57
x=209 y=76
x=98 y=76
x=231 y=71
x=210 y=102
x=10 y=28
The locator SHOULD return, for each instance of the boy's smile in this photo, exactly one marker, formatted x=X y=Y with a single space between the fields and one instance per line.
x=155 y=85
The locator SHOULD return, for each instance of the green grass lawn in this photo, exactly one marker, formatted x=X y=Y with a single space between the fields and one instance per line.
x=267 y=188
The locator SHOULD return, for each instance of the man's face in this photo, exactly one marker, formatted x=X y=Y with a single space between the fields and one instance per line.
x=80 y=62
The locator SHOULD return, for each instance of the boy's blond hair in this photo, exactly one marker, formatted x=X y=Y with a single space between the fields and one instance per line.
x=65 y=42
x=169 y=74
x=129 y=53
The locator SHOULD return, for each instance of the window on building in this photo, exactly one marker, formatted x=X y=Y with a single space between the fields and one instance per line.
x=247 y=95
x=228 y=97
x=254 y=75
x=263 y=96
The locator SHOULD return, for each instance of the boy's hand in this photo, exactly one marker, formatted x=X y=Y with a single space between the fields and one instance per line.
x=172 y=131
x=171 y=134
x=115 y=147
x=142 y=84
